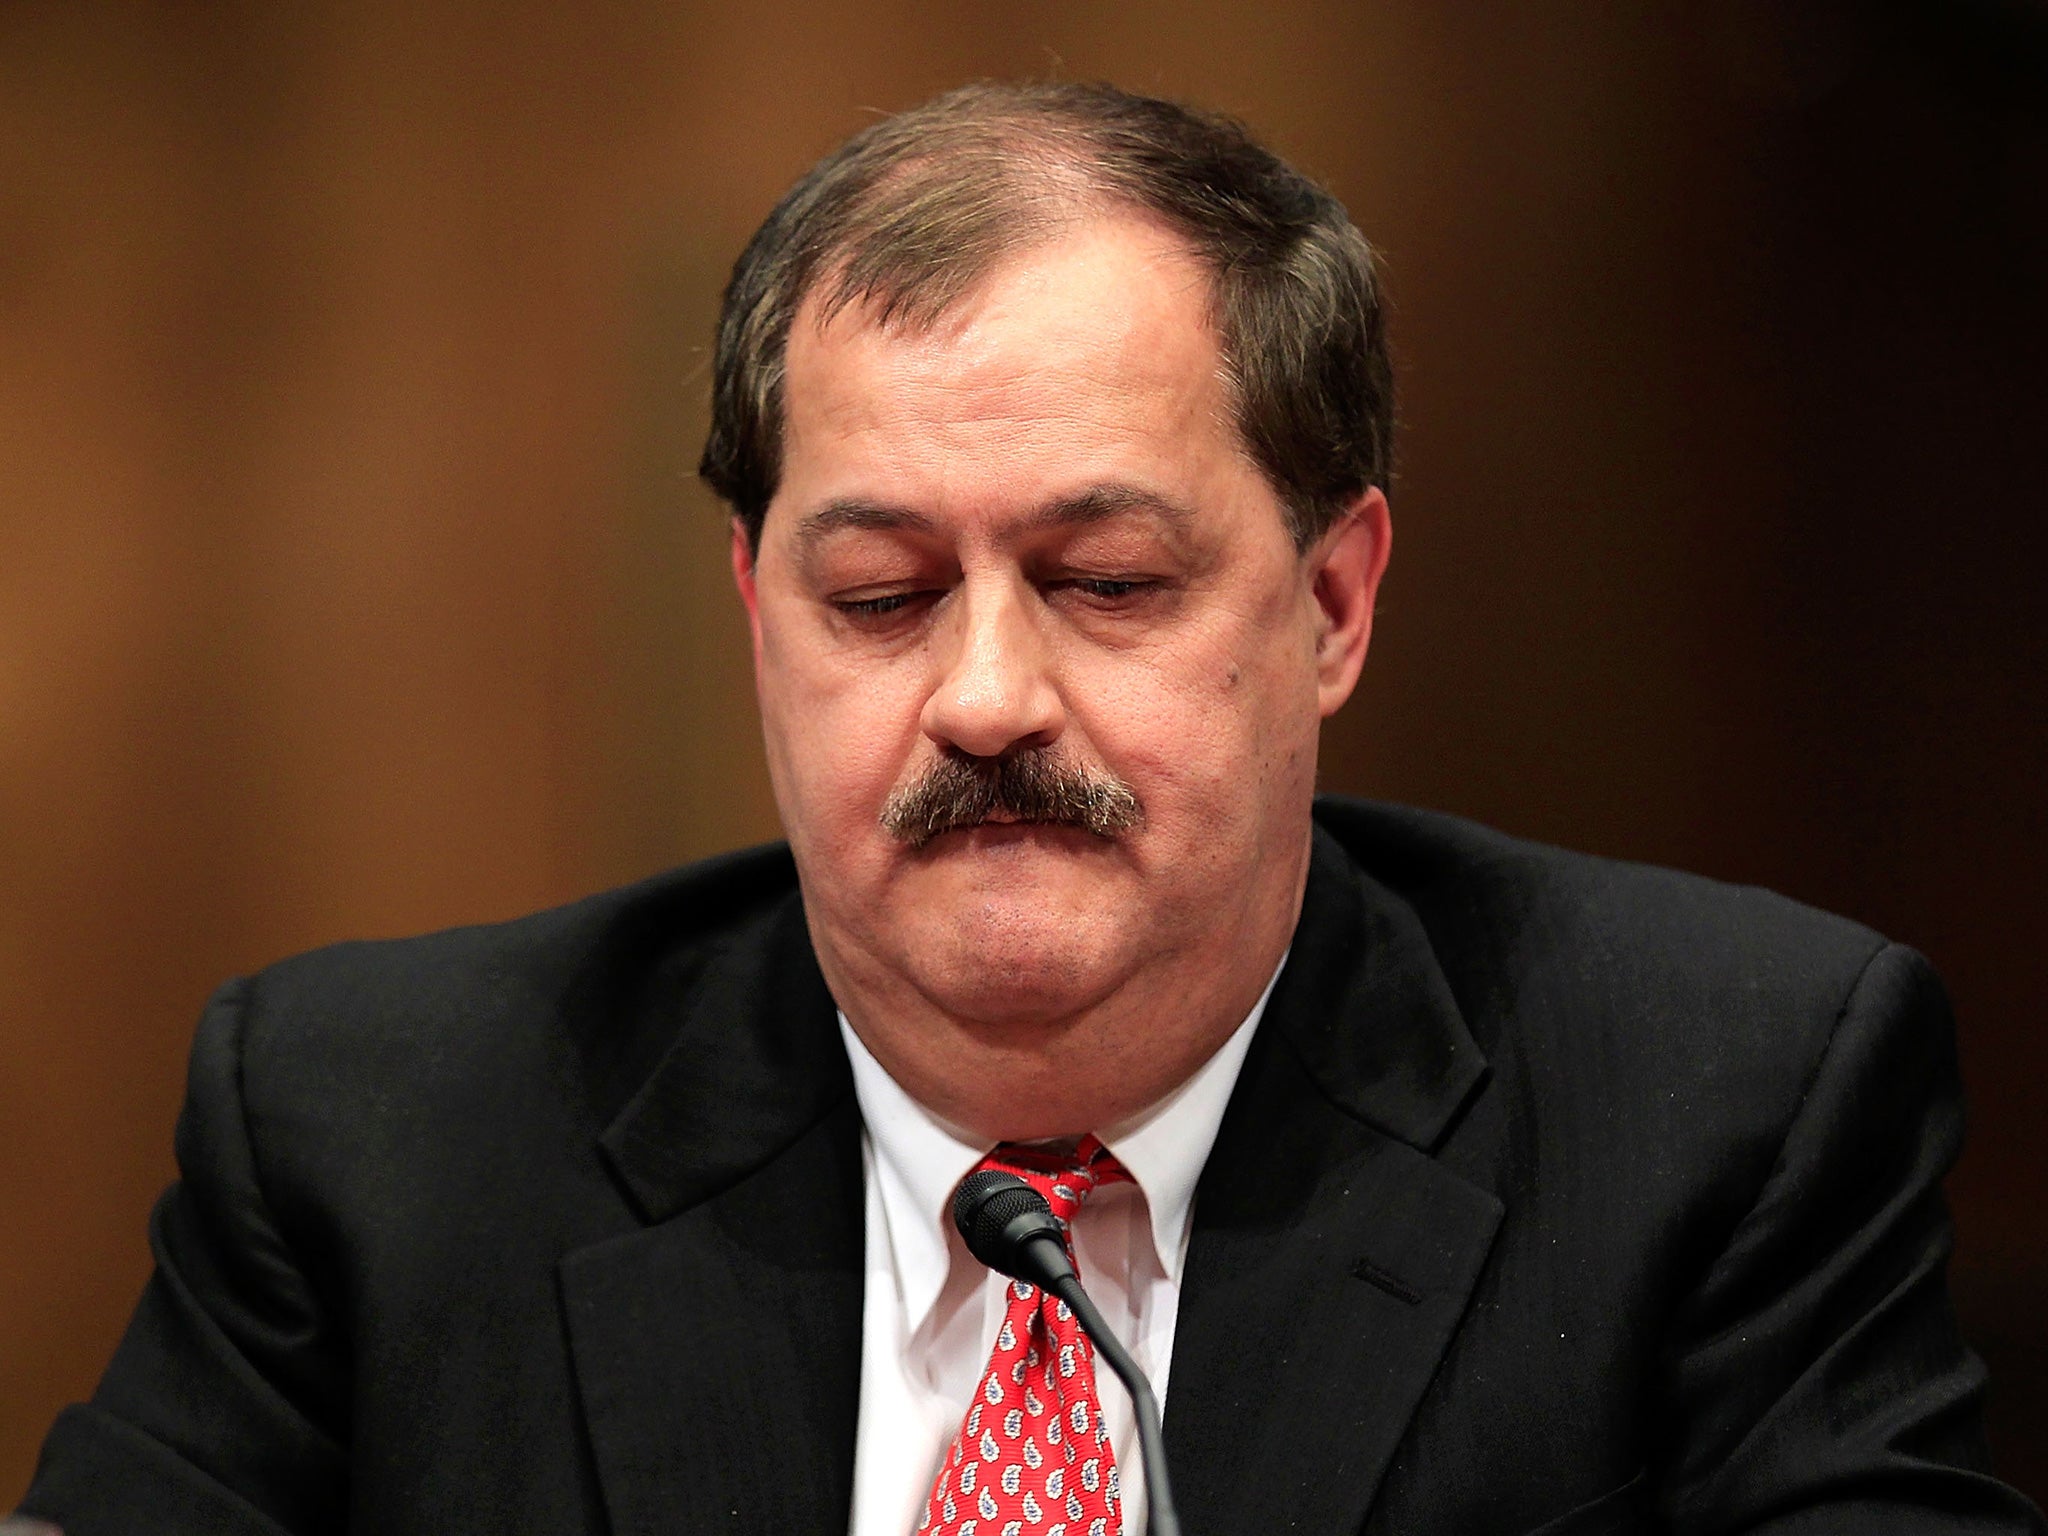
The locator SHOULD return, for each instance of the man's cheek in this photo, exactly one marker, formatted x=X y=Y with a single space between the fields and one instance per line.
x=853 y=765
x=1181 y=765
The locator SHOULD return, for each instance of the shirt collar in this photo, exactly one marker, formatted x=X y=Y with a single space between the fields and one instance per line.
x=919 y=1158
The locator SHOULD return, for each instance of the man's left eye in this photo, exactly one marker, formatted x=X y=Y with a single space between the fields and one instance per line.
x=1109 y=588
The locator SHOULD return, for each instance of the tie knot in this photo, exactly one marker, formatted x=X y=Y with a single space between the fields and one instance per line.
x=1064 y=1178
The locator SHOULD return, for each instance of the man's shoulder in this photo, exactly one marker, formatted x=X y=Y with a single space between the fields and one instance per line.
x=504 y=967
x=1667 y=1027
x=1484 y=894
x=1616 y=972
x=544 y=1023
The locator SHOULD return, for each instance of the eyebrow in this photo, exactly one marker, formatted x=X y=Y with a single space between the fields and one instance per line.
x=853 y=512
x=1095 y=504
x=1100 y=502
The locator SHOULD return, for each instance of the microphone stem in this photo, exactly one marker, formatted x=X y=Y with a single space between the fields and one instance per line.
x=1160 y=1520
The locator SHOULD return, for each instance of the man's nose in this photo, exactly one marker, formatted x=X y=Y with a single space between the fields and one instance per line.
x=995 y=690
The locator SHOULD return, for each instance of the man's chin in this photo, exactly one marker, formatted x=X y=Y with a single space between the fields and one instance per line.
x=994 y=991
x=1028 y=953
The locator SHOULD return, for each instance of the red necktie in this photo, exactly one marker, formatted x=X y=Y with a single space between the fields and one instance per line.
x=1032 y=1457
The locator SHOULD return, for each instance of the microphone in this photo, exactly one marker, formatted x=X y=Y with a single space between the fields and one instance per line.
x=1010 y=1227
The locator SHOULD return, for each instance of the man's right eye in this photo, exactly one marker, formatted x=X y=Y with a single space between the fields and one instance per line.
x=873 y=607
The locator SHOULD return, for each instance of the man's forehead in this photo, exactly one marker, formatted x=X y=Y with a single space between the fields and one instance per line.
x=1081 y=381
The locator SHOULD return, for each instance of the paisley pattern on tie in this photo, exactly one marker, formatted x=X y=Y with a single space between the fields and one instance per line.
x=1032 y=1457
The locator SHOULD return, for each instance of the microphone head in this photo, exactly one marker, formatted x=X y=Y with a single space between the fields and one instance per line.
x=998 y=1215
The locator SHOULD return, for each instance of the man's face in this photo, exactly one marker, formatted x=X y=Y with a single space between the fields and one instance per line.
x=1031 y=533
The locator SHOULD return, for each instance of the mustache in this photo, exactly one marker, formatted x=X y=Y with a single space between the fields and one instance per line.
x=1034 y=785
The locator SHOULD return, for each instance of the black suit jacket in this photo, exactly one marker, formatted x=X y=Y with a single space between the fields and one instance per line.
x=1555 y=1194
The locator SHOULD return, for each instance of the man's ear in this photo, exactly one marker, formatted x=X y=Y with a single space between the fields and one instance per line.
x=743 y=560
x=1345 y=567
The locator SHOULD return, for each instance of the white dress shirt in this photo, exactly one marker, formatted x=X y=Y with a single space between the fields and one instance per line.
x=931 y=1312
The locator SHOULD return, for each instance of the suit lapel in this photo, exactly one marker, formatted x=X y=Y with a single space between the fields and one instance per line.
x=1332 y=1256
x=717 y=1349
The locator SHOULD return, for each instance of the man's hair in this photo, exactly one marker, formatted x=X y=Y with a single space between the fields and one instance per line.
x=908 y=215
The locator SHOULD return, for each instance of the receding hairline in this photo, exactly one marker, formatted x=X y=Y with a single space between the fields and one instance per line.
x=1051 y=183
x=834 y=294
x=910 y=215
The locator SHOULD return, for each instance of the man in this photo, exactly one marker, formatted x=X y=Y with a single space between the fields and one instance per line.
x=1443 y=1183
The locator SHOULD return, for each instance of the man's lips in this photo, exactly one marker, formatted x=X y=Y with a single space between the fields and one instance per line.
x=1006 y=826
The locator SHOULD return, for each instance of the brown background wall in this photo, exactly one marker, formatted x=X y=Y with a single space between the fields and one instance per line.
x=353 y=579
